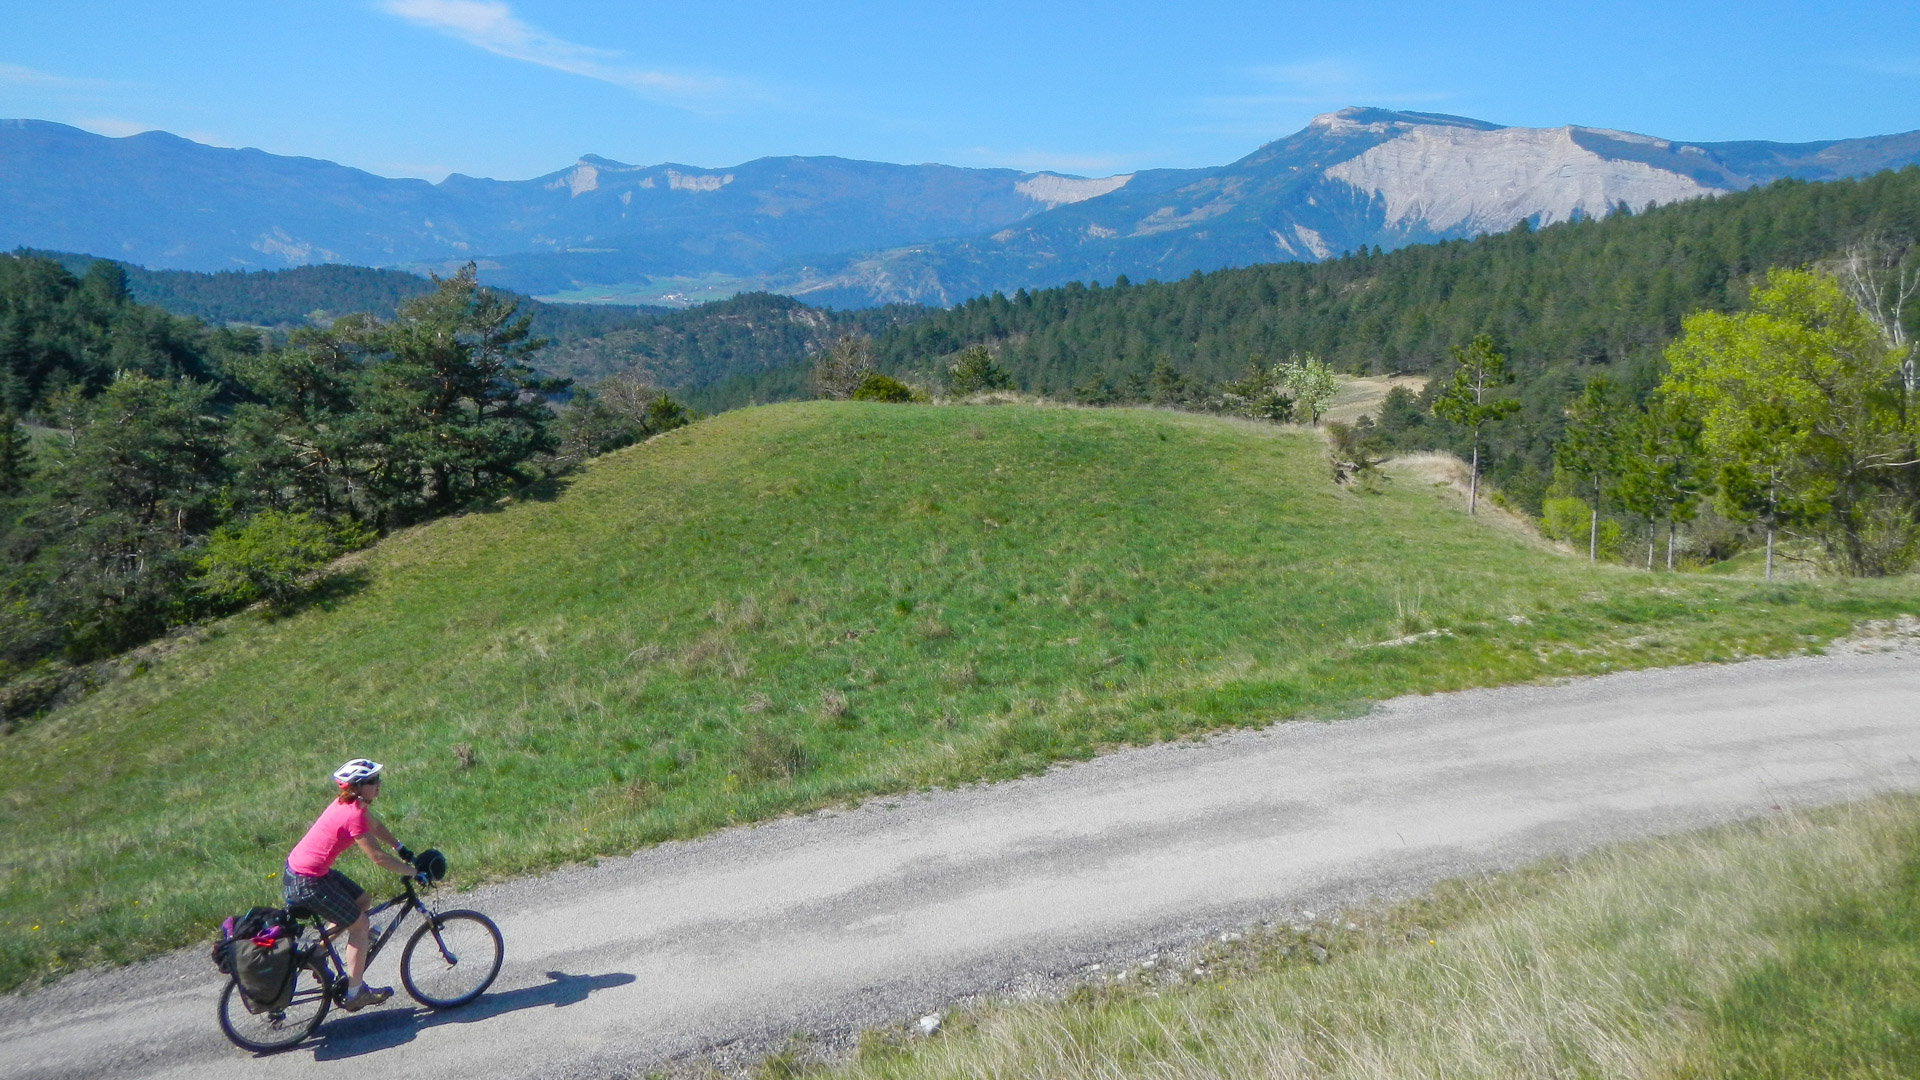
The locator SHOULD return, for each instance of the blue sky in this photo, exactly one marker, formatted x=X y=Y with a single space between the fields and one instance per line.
x=516 y=88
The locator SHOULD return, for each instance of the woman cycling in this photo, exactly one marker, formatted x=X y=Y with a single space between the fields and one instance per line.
x=310 y=881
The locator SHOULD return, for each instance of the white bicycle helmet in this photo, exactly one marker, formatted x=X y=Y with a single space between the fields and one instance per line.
x=357 y=771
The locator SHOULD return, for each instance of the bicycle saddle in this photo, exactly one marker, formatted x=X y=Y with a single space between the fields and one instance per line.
x=301 y=914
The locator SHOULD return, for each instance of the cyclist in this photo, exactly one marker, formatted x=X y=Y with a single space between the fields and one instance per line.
x=310 y=881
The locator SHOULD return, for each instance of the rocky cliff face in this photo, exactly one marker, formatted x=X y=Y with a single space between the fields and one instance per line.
x=1444 y=179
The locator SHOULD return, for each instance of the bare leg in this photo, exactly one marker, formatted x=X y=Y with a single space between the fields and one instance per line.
x=356 y=948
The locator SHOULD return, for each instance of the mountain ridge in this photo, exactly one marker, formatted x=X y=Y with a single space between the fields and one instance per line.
x=164 y=202
x=850 y=233
x=1352 y=179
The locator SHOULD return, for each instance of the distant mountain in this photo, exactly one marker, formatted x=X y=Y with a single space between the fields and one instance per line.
x=164 y=202
x=1352 y=179
x=857 y=233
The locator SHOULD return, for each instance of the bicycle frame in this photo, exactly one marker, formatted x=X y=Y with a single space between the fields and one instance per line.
x=408 y=901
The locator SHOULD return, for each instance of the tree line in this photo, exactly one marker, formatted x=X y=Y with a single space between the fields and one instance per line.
x=1795 y=415
x=154 y=470
x=683 y=349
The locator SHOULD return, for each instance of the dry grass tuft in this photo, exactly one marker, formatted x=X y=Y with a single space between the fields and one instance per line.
x=833 y=705
x=1600 y=967
x=1439 y=469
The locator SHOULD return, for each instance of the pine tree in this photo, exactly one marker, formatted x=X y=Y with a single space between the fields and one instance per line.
x=1664 y=471
x=16 y=455
x=1468 y=401
x=1592 y=450
x=974 y=372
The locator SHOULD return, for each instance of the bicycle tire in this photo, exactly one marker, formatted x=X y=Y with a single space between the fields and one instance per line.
x=473 y=942
x=282 y=1029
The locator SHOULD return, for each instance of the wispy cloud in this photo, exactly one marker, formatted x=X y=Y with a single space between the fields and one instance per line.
x=492 y=25
x=15 y=75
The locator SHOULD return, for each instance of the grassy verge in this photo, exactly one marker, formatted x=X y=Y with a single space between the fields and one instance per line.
x=1787 y=948
x=798 y=605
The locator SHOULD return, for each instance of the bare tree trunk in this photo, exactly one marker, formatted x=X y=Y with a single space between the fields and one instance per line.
x=1653 y=533
x=1669 y=545
x=1769 y=552
x=1473 y=480
x=1593 y=534
x=1881 y=282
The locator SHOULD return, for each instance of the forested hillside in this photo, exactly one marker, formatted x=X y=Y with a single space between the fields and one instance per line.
x=60 y=330
x=1563 y=303
x=316 y=295
x=696 y=347
x=686 y=348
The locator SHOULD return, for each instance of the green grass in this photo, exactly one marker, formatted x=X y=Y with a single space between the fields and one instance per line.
x=1785 y=948
x=798 y=605
x=1841 y=998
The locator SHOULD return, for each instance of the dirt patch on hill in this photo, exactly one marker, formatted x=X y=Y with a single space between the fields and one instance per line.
x=1359 y=397
x=1443 y=470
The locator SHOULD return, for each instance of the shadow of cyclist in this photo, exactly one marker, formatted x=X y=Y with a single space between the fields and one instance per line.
x=382 y=1029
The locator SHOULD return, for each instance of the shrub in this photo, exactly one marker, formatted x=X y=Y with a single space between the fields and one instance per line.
x=1259 y=396
x=270 y=555
x=877 y=387
x=1571 y=519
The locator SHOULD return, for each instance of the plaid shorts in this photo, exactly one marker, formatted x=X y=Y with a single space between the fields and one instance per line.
x=333 y=894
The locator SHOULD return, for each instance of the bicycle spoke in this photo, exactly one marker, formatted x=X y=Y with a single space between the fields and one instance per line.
x=280 y=1028
x=452 y=959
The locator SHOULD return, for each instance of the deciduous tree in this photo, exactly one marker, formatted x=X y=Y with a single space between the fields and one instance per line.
x=838 y=370
x=1800 y=405
x=1664 y=473
x=1310 y=382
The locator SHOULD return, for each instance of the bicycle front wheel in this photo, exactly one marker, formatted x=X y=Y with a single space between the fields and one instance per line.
x=264 y=1033
x=452 y=959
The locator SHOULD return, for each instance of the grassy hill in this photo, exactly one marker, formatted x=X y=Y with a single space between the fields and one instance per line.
x=790 y=606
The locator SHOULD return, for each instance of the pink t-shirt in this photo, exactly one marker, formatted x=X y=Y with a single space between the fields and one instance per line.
x=332 y=834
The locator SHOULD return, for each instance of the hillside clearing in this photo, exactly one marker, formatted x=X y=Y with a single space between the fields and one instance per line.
x=1361 y=395
x=793 y=606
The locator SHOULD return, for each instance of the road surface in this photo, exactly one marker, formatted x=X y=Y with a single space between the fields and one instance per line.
x=876 y=914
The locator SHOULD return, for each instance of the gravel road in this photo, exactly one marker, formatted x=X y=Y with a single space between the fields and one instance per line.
x=880 y=913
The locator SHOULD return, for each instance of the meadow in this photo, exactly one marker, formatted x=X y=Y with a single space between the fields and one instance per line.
x=799 y=605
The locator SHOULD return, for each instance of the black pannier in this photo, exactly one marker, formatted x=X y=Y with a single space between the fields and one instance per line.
x=257 y=949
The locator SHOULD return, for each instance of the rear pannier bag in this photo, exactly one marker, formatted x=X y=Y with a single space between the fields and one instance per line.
x=257 y=949
x=265 y=973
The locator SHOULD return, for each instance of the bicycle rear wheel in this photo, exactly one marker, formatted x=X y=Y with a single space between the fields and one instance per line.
x=264 y=1033
x=452 y=959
